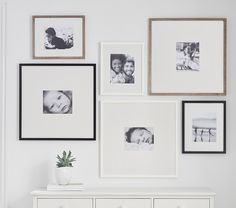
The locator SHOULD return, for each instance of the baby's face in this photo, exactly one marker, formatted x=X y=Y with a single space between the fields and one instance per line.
x=141 y=136
x=57 y=102
x=128 y=68
x=116 y=65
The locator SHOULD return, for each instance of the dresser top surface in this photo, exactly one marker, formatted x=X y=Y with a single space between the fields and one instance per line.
x=111 y=191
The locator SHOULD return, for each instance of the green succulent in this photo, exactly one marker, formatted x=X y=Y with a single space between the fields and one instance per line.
x=65 y=160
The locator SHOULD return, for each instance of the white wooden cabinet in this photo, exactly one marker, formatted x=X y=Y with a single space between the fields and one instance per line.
x=125 y=198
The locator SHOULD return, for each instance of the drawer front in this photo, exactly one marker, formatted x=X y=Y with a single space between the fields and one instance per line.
x=65 y=203
x=123 y=203
x=182 y=203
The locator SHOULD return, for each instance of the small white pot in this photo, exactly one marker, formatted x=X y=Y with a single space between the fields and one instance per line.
x=63 y=175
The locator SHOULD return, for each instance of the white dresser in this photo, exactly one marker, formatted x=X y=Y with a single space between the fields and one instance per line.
x=125 y=198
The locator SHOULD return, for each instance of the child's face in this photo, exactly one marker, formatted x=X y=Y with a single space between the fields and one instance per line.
x=141 y=136
x=57 y=102
x=116 y=65
x=186 y=50
x=128 y=68
x=49 y=37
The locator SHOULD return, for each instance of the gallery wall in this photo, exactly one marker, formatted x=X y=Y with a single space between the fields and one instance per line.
x=29 y=165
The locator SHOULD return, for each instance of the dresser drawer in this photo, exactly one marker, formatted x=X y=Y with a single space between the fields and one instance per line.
x=65 y=203
x=181 y=203
x=123 y=203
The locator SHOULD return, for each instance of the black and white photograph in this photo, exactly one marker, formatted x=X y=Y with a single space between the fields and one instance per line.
x=139 y=138
x=58 y=38
x=57 y=101
x=204 y=129
x=204 y=126
x=187 y=56
x=122 y=69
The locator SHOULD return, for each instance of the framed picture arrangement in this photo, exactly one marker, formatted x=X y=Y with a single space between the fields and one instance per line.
x=57 y=37
x=136 y=143
x=204 y=126
x=121 y=68
x=187 y=56
x=57 y=102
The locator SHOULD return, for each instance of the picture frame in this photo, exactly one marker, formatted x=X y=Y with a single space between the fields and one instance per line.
x=57 y=101
x=121 y=68
x=183 y=60
x=204 y=126
x=138 y=145
x=58 y=36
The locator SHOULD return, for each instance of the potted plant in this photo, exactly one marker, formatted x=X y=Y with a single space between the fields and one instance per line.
x=64 y=167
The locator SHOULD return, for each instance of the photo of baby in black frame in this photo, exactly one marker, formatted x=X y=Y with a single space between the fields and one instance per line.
x=57 y=102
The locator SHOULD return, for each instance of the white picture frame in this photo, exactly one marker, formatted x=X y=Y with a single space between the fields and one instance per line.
x=113 y=82
x=57 y=102
x=118 y=161
x=187 y=56
x=58 y=36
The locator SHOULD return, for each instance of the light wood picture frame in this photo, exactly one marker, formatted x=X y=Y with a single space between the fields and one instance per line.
x=187 y=56
x=58 y=36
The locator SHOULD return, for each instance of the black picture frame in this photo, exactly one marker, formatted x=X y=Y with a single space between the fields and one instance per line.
x=37 y=72
x=187 y=148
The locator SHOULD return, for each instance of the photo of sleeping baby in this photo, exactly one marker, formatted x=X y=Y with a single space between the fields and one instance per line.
x=139 y=138
x=122 y=68
x=57 y=102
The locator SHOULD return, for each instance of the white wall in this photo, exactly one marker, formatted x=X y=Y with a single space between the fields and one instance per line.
x=30 y=164
x=2 y=104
